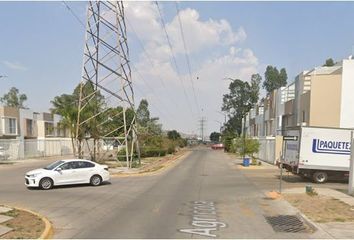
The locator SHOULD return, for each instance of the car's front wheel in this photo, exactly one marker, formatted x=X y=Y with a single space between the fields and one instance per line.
x=46 y=183
x=96 y=180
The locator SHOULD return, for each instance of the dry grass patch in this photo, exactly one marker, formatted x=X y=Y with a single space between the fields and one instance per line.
x=25 y=225
x=321 y=208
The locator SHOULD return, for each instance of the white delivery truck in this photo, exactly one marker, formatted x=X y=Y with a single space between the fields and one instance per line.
x=318 y=153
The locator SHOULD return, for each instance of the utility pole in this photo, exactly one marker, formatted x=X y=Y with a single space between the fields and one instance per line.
x=106 y=89
x=351 y=165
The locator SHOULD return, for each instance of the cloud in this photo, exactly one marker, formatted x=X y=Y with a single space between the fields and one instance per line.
x=15 y=65
x=145 y=19
x=215 y=53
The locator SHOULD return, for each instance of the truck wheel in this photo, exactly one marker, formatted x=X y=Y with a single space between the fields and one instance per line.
x=320 y=177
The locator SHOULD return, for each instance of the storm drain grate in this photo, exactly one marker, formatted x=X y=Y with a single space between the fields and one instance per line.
x=287 y=223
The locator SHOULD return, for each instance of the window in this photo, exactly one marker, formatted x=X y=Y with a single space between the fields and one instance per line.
x=85 y=164
x=89 y=165
x=10 y=126
x=49 y=129
x=29 y=124
x=67 y=166
x=53 y=165
x=303 y=116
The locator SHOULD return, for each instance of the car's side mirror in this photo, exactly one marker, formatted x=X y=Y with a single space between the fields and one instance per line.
x=58 y=169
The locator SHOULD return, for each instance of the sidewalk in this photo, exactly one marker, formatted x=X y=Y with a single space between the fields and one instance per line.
x=238 y=162
x=9 y=163
x=266 y=177
x=3 y=218
x=335 y=229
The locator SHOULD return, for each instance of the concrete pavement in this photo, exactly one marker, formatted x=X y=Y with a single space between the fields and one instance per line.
x=201 y=197
x=4 y=218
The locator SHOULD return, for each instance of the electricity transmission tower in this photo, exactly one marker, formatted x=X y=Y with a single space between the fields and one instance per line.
x=202 y=123
x=106 y=97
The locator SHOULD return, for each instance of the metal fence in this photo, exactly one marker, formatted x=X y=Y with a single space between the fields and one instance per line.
x=14 y=149
x=267 y=149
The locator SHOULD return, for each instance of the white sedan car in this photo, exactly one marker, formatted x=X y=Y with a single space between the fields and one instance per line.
x=65 y=172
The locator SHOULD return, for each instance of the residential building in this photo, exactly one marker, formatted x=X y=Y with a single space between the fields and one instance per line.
x=49 y=126
x=325 y=96
x=320 y=97
x=28 y=123
x=9 y=122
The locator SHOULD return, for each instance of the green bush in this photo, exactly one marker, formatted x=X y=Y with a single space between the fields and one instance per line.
x=228 y=140
x=135 y=164
x=251 y=146
x=152 y=152
x=182 y=143
x=122 y=157
x=171 y=146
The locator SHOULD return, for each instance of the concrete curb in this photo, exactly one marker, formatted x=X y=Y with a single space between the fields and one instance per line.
x=313 y=225
x=164 y=167
x=48 y=230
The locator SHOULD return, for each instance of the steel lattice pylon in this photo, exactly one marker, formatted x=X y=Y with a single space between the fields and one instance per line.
x=106 y=91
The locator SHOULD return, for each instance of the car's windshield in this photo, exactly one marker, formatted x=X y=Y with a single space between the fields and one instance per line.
x=53 y=165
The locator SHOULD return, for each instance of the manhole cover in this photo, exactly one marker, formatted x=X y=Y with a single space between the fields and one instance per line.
x=287 y=223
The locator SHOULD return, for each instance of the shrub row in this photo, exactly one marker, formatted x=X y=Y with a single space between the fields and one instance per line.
x=155 y=146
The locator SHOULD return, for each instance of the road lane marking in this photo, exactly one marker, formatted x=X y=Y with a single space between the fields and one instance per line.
x=204 y=219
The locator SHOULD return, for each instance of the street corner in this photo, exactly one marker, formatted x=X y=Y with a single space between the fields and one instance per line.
x=17 y=222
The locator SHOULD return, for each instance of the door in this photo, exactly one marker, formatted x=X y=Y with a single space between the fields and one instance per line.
x=67 y=174
x=84 y=171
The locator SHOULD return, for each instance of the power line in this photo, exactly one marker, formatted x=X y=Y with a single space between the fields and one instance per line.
x=73 y=13
x=145 y=82
x=150 y=61
x=186 y=53
x=173 y=56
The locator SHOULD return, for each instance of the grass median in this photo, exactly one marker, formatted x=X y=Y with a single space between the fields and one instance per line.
x=320 y=208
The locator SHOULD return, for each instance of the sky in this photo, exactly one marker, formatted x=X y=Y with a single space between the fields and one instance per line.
x=41 y=50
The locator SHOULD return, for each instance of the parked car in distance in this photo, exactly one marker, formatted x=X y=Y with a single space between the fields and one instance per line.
x=217 y=146
x=67 y=172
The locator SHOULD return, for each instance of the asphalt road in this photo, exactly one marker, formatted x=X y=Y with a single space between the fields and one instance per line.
x=203 y=196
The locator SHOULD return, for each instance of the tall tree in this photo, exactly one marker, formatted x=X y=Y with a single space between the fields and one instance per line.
x=237 y=103
x=143 y=113
x=66 y=105
x=13 y=98
x=215 y=136
x=329 y=63
x=256 y=80
x=173 y=135
x=146 y=123
x=273 y=79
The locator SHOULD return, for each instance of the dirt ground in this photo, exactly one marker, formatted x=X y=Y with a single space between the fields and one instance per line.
x=24 y=224
x=321 y=208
